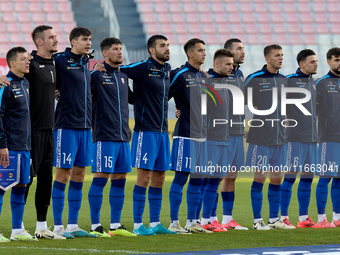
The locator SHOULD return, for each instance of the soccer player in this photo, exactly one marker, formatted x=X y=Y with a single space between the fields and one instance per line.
x=188 y=147
x=302 y=151
x=217 y=136
x=111 y=136
x=72 y=134
x=235 y=147
x=150 y=146
x=15 y=136
x=267 y=139
x=42 y=82
x=328 y=99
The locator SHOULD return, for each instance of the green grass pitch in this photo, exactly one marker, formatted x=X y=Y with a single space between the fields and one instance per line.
x=166 y=243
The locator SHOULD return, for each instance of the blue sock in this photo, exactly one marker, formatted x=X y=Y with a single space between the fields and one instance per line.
x=2 y=193
x=117 y=196
x=286 y=193
x=155 y=203
x=274 y=199
x=95 y=197
x=75 y=195
x=176 y=193
x=58 y=199
x=321 y=194
x=209 y=197
x=203 y=187
x=335 y=195
x=256 y=199
x=228 y=202
x=213 y=212
x=193 y=196
x=138 y=203
x=17 y=206
x=303 y=194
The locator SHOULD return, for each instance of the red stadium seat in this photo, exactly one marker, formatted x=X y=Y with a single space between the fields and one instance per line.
x=38 y=17
x=231 y=7
x=265 y=28
x=175 y=8
x=161 y=8
x=222 y=28
x=194 y=28
x=319 y=7
x=295 y=39
x=234 y=18
x=6 y=7
x=291 y=17
x=3 y=38
x=248 y=17
x=217 y=7
x=69 y=26
x=34 y=7
x=310 y=39
x=178 y=18
x=23 y=17
x=306 y=18
x=308 y=29
x=148 y=18
x=240 y=36
x=279 y=28
x=189 y=8
x=281 y=39
x=12 y=27
x=209 y=28
x=267 y=39
x=27 y=38
x=274 y=8
x=20 y=7
x=206 y=17
x=49 y=7
x=150 y=29
x=212 y=39
x=261 y=8
x=253 y=39
x=27 y=27
x=293 y=28
x=277 y=17
x=304 y=7
x=52 y=17
x=335 y=29
x=320 y=17
x=8 y=17
x=180 y=28
x=2 y=27
x=263 y=17
x=334 y=18
x=182 y=39
x=220 y=18
x=333 y=7
x=289 y=7
x=192 y=18
x=66 y=17
x=164 y=18
x=4 y=46
x=56 y=27
x=145 y=8
x=246 y=7
x=166 y=27
x=171 y=38
x=237 y=28
x=322 y=28
x=203 y=7
x=64 y=7
x=15 y=38
x=251 y=28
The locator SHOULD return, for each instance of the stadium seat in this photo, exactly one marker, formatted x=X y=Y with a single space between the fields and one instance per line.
x=319 y=7
x=237 y=28
x=8 y=17
x=289 y=7
x=166 y=27
x=66 y=17
x=13 y=27
x=265 y=28
x=27 y=27
x=261 y=8
x=231 y=7
x=304 y=7
x=248 y=17
x=322 y=28
x=310 y=39
x=295 y=39
x=145 y=7
x=291 y=17
x=308 y=29
x=161 y=8
x=52 y=17
x=194 y=28
x=164 y=18
x=279 y=28
x=171 y=38
x=175 y=8
x=333 y=7
x=306 y=18
x=251 y=28
x=34 y=7
x=217 y=8
x=64 y=7
x=274 y=8
x=335 y=29
x=203 y=8
x=212 y=39
x=23 y=17
x=56 y=27
x=223 y=28
x=69 y=26
x=192 y=18
x=224 y=37
x=177 y=18
x=148 y=18
x=49 y=7
x=38 y=17
x=27 y=38
x=20 y=7
x=3 y=37
x=253 y=39
x=263 y=17
x=209 y=28
x=6 y=7
x=234 y=18
x=267 y=39
x=281 y=39
x=4 y=46
x=320 y=17
x=240 y=36
x=15 y=38
x=150 y=29
x=2 y=27
x=334 y=18
x=206 y=18
x=293 y=28
x=189 y=8
x=246 y=7
x=182 y=39
x=277 y=17
x=180 y=28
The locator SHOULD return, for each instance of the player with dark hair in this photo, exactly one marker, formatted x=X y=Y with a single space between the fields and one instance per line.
x=267 y=142
x=150 y=146
x=189 y=146
x=302 y=151
x=111 y=136
x=328 y=99
x=15 y=137
x=72 y=134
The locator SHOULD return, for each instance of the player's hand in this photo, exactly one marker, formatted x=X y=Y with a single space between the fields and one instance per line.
x=177 y=113
x=207 y=74
x=4 y=81
x=56 y=95
x=4 y=157
x=99 y=67
x=30 y=57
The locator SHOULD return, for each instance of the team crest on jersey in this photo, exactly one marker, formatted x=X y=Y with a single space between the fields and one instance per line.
x=189 y=76
x=14 y=86
x=299 y=80
x=122 y=80
x=71 y=59
x=264 y=80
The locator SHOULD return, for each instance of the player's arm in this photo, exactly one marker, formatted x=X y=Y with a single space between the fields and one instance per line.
x=94 y=81
x=135 y=70
x=177 y=83
x=4 y=156
x=130 y=95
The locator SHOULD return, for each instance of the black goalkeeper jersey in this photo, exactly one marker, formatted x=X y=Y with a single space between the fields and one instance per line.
x=42 y=86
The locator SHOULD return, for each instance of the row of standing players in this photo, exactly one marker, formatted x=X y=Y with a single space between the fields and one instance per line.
x=154 y=84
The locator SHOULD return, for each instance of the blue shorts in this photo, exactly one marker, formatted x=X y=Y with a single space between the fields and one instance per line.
x=25 y=163
x=270 y=158
x=302 y=157
x=235 y=152
x=189 y=156
x=217 y=158
x=111 y=157
x=72 y=147
x=330 y=159
x=150 y=150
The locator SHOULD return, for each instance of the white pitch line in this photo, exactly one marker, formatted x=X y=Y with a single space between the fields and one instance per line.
x=72 y=249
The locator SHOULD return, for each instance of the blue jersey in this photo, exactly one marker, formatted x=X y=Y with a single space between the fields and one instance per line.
x=186 y=88
x=272 y=132
x=110 y=105
x=219 y=110
x=15 y=121
x=151 y=83
x=74 y=108
x=238 y=81
x=306 y=130
x=328 y=100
